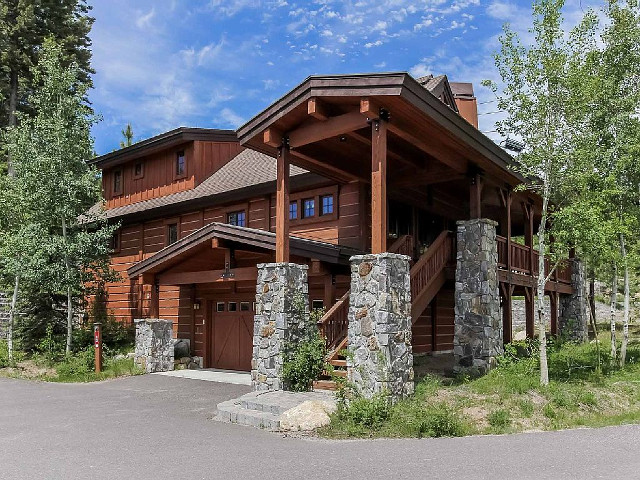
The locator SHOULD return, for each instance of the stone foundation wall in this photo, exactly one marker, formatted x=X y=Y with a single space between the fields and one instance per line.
x=478 y=324
x=380 y=357
x=282 y=315
x=573 y=316
x=154 y=344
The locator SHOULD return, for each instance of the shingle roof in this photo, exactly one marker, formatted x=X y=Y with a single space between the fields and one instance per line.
x=247 y=169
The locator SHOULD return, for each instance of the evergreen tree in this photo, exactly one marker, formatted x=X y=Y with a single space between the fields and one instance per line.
x=127 y=133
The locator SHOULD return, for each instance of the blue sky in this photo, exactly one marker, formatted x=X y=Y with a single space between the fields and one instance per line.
x=214 y=63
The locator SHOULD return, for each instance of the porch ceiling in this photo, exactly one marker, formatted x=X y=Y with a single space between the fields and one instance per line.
x=326 y=119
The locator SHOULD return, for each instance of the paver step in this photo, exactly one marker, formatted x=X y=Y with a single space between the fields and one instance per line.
x=233 y=412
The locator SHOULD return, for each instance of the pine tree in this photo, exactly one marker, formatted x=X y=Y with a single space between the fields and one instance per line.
x=127 y=133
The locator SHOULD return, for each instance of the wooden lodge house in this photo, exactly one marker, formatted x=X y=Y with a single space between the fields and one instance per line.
x=341 y=166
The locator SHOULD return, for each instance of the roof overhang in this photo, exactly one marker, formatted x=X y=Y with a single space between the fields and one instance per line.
x=252 y=238
x=414 y=111
x=165 y=140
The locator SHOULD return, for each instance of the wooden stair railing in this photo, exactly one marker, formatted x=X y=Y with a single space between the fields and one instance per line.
x=334 y=323
x=429 y=273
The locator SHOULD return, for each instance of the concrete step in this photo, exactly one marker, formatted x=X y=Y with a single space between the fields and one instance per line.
x=233 y=412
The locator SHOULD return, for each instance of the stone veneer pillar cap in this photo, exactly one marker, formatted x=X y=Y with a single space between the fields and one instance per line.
x=488 y=221
x=374 y=256
x=283 y=264
x=151 y=320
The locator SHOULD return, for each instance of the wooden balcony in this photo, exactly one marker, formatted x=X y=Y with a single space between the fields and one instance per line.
x=519 y=266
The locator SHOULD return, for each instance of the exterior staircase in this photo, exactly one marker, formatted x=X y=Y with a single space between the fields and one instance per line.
x=428 y=275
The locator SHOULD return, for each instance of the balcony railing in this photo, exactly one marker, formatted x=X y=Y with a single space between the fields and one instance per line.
x=524 y=261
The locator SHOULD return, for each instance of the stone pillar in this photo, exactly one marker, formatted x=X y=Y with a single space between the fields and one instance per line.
x=282 y=314
x=477 y=338
x=380 y=358
x=573 y=315
x=154 y=344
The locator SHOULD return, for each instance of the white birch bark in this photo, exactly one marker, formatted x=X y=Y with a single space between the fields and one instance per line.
x=614 y=299
x=625 y=322
x=12 y=314
x=542 y=324
x=69 y=296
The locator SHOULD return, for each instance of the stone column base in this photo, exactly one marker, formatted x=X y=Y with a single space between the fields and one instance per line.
x=154 y=344
x=573 y=317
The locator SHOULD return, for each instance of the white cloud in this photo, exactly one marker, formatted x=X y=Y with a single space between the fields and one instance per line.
x=144 y=20
x=230 y=118
x=502 y=10
x=420 y=70
x=377 y=43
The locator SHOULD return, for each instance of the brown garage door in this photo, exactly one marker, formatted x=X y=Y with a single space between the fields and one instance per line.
x=232 y=340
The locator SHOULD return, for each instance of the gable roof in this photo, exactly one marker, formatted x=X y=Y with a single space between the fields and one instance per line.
x=249 y=171
x=441 y=88
x=261 y=239
x=165 y=140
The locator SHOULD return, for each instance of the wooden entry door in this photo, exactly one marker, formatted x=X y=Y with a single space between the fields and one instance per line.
x=231 y=339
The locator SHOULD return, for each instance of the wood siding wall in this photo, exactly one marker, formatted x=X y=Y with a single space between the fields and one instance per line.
x=422 y=331
x=158 y=179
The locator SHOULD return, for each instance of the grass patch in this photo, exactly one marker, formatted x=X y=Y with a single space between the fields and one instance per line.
x=509 y=399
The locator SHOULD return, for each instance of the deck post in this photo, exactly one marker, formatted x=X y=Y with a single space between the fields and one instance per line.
x=508 y=233
x=378 y=186
x=553 y=302
x=380 y=355
x=507 y=312
x=282 y=204
x=477 y=336
x=530 y=311
x=154 y=303
x=475 y=196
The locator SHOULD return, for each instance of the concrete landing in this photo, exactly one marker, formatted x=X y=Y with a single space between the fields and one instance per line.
x=211 y=375
x=264 y=409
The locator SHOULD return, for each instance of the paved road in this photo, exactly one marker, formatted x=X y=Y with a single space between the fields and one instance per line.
x=157 y=427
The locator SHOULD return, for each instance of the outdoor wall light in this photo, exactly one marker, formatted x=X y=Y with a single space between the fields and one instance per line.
x=196 y=304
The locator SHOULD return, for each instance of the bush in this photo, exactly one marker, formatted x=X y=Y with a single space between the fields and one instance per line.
x=116 y=336
x=4 y=354
x=369 y=413
x=303 y=363
x=499 y=419
x=440 y=420
x=78 y=365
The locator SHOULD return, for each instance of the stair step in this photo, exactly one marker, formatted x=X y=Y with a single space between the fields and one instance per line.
x=232 y=412
x=324 y=385
x=338 y=363
x=340 y=373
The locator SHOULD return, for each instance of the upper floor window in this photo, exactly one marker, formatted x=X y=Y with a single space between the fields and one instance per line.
x=115 y=241
x=327 y=204
x=309 y=208
x=138 y=170
x=237 y=218
x=181 y=166
x=293 y=210
x=172 y=233
x=117 y=182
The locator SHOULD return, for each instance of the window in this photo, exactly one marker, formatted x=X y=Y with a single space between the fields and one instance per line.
x=309 y=209
x=117 y=182
x=115 y=241
x=293 y=210
x=233 y=307
x=172 y=233
x=237 y=218
x=317 y=304
x=245 y=306
x=327 y=204
x=220 y=307
x=138 y=170
x=181 y=169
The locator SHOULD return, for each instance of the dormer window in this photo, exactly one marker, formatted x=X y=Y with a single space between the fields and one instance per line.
x=181 y=165
x=117 y=182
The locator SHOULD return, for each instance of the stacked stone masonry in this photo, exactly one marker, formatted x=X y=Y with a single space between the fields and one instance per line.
x=281 y=318
x=154 y=344
x=573 y=313
x=380 y=358
x=478 y=324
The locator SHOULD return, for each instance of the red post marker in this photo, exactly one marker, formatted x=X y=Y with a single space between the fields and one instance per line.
x=97 y=340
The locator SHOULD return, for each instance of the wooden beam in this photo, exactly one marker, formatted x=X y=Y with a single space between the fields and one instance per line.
x=530 y=309
x=507 y=312
x=369 y=108
x=329 y=292
x=272 y=137
x=378 y=186
x=331 y=127
x=154 y=301
x=317 y=108
x=508 y=232
x=553 y=300
x=428 y=177
x=208 y=276
x=475 y=196
x=325 y=169
x=282 y=206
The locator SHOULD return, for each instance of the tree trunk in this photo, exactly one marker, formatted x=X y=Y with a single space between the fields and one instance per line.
x=625 y=323
x=69 y=296
x=614 y=299
x=542 y=324
x=12 y=314
x=13 y=106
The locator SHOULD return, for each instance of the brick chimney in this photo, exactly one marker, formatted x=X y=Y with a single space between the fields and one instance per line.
x=465 y=101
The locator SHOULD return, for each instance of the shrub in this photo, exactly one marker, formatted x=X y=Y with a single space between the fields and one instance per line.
x=499 y=419
x=116 y=336
x=440 y=420
x=526 y=407
x=4 y=354
x=77 y=365
x=370 y=413
x=303 y=363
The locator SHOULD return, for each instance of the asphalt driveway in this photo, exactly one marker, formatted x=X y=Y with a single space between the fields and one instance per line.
x=158 y=427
